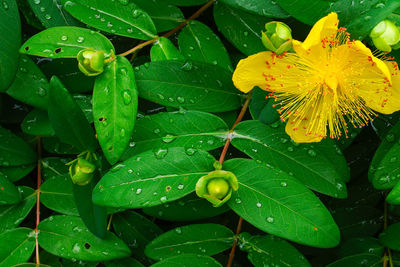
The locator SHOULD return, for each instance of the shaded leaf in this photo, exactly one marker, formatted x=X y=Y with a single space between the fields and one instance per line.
x=188 y=260
x=266 y=8
x=37 y=123
x=9 y=193
x=16 y=246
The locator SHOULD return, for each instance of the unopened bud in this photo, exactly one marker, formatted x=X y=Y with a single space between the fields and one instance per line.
x=385 y=36
x=90 y=61
x=277 y=37
x=81 y=171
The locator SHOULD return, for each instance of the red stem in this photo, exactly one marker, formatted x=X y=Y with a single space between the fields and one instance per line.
x=39 y=182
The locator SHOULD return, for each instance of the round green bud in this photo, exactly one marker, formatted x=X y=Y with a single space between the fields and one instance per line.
x=385 y=35
x=218 y=188
x=277 y=37
x=81 y=171
x=90 y=61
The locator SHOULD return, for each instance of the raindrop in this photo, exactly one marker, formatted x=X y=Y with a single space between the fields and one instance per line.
x=393 y=159
x=312 y=153
x=37 y=2
x=160 y=96
x=109 y=25
x=339 y=186
x=124 y=2
x=390 y=137
x=161 y=153
x=258 y=205
x=132 y=144
x=156 y=131
x=290 y=149
x=284 y=184
x=190 y=151
x=168 y=138
x=245 y=33
x=76 y=248
x=188 y=66
x=163 y=199
x=5 y=5
x=136 y=13
x=129 y=30
x=47 y=16
x=284 y=140
x=191 y=47
x=180 y=99
x=238 y=200
x=41 y=91
x=127 y=97
x=138 y=191
x=80 y=39
x=245 y=45
x=380 y=5
x=219 y=83
x=270 y=219
x=367 y=18
x=178 y=230
x=254 y=150
x=64 y=38
x=180 y=186
x=214 y=62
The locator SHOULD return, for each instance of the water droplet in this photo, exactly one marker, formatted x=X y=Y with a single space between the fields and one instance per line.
x=130 y=171
x=127 y=97
x=47 y=16
x=37 y=2
x=258 y=205
x=178 y=230
x=180 y=99
x=290 y=149
x=41 y=91
x=76 y=248
x=219 y=83
x=42 y=9
x=160 y=96
x=156 y=131
x=339 y=186
x=109 y=25
x=188 y=66
x=136 y=13
x=380 y=5
x=284 y=184
x=191 y=47
x=390 y=137
x=23 y=70
x=284 y=140
x=138 y=191
x=393 y=159
x=163 y=199
x=245 y=33
x=168 y=138
x=270 y=219
x=64 y=38
x=312 y=153
x=190 y=151
x=122 y=132
x=124 y=2
x=244 y=45
x=132 y=144
x=254 y=150
x=238 y=200
x=214 y=62
x=367 y=18
x=117 y=167
x=129 y=30
x=80 y=39
x=210 y=142
x=161 y=153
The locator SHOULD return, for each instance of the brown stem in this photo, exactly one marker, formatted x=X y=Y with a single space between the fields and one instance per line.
x=39 y=181
x=387 y=255
x=171 y=32
x=232 y=254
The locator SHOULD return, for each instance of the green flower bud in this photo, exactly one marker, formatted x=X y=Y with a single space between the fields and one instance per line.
x=277 y=37
x=385 y=35
x=217 y=187
x=81 y=171
x=90 y=61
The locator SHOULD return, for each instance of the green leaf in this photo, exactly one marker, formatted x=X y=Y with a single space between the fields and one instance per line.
x=56 y=194
x=188 y=208
x=194 y=129
x=184 y=2
x=265 y=250
x=164 y=15
x=30 y=86
x=188 y=260
x=361 y=26
x=16 y=246
x=53 y=166
x=65 y=42
x=202 y=239
x=266 y=8
x=68 y=120
x=85 y=103
x=315 y=165
x=242 y=29
x=54 y=145
x=394 y=196
x=9 y=194
x=37 y=123
x=66 y=69
x=361 y=245
x=128 y=262
x=12 y=215
x=152 y=178
x=348 y=11
x=115 y=102
x=164 y=49
x=384 y=172
x=306 y=11
x=358 y=221
x=116 y=17
x=358 y=260
x=15 y=173
x=136 y=231
x=261 y=108
x=198 y=42
x=277 y=203
x=13 y=150
x=390 y=237
x=67 y=237
x=51 y=13
x=191 y=85
x=10 y=30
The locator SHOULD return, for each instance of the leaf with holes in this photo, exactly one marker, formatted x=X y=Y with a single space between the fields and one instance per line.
x=198 y=42
x=278 y=204
x=68 y=120
x=115 y=102
x=10 y=27
x=16 y=246
x=67 y=237
x=191 y=128
x=202 y=239
x=152 y=178
x=13 y=150
x=315 y=165
x=191 y=85
x=116 y=17
x=65 y=42
x=12 y=215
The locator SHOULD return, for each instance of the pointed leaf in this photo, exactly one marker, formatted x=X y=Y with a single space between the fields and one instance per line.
x=390 y=237
x=315 y=165
x=191 y=260
x=15 y=173
x=164 y=49
x=364 y=259
x=115 y=102
x=202 y=239
x=67 y=237
x=191 y=85
x=266 y=8
x=152 y=178
x=116 y=17
x=278 y=204
x=16 y=246
x=65 y=42
x=37 y=123
x=68 y=120
x=9 y=193
x=195 y=129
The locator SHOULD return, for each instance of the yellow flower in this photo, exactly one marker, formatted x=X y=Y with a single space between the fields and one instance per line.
x=327 y=79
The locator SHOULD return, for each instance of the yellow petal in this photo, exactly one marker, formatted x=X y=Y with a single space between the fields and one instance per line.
x=297 y=130
x=249 y=72
x=323 y=28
